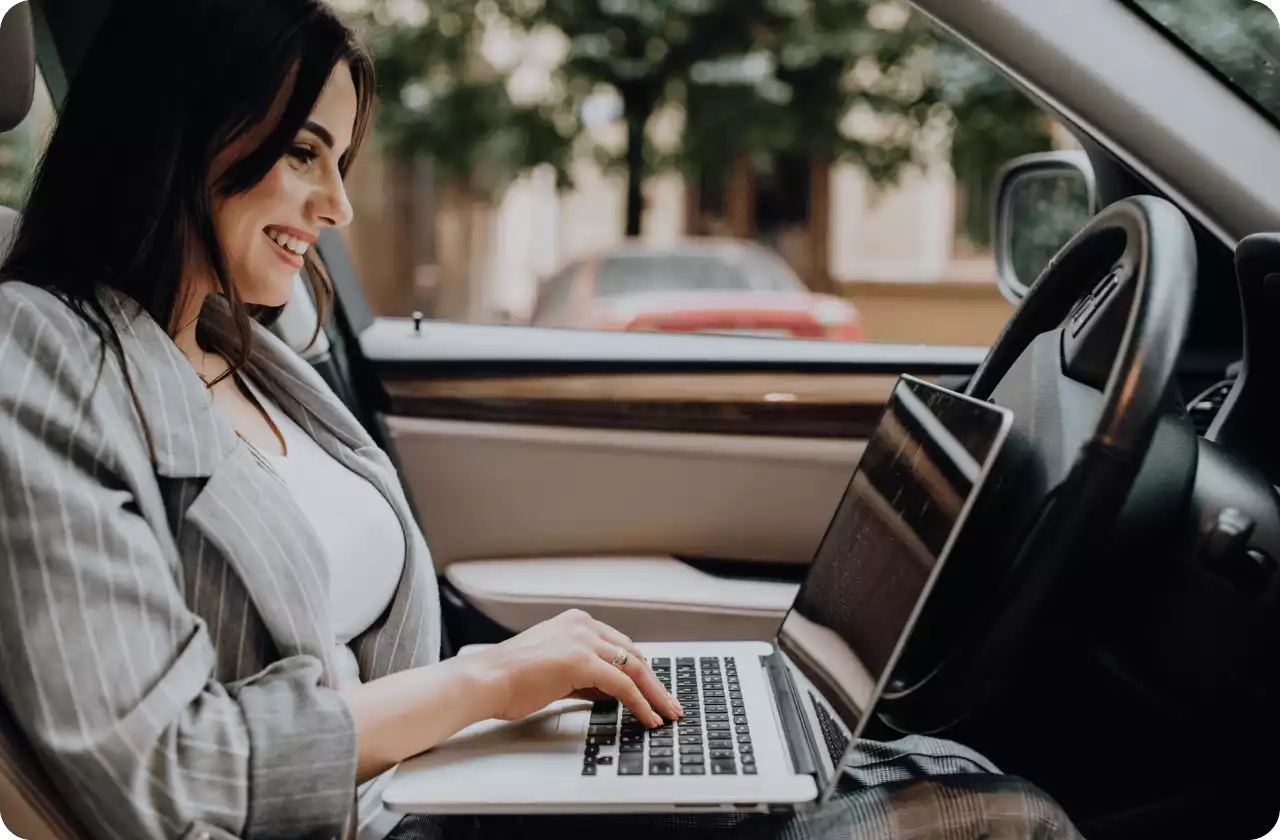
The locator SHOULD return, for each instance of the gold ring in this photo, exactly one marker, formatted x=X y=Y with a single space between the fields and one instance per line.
x=620 y=658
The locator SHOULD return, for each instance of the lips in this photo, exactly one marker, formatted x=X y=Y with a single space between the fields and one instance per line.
x=288 y=240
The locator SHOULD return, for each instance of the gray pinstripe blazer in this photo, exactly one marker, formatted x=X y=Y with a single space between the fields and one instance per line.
x=165 y=636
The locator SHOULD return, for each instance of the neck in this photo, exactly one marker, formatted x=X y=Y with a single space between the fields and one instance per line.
x=208 y=365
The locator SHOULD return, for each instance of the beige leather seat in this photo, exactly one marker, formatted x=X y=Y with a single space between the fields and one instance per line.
x=29 y=806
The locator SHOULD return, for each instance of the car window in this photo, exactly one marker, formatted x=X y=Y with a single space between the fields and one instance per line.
x=857 y=150
x=632 y=275
x=1240 y=39
x=20 y=149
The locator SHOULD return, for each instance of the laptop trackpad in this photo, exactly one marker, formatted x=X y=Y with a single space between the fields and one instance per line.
x=560 y=727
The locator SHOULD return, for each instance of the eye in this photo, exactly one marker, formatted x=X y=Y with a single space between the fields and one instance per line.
x=304 y=155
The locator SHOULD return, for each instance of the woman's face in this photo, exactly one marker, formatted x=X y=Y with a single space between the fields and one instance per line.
x=265 y=231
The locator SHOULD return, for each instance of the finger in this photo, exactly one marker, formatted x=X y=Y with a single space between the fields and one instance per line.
x=617 y=684
x=641 y=673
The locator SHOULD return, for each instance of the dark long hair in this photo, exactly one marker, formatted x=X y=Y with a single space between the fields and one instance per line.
x=123 y=191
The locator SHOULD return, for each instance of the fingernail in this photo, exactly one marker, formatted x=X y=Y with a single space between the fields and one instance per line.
x=657 y=720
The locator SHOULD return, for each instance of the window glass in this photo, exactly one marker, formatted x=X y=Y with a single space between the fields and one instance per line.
x=1238 y=38
x=852 y=143
x=20 y=149
x=632 y=274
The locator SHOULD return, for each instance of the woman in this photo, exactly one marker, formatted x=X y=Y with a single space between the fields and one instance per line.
x=195 y=639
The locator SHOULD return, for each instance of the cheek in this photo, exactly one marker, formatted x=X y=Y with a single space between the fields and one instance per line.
x=240 y=219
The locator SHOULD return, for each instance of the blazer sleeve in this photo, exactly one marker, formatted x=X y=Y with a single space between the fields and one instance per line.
x=104 y=669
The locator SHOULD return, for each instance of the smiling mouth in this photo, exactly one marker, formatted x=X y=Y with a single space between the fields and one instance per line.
x=288 y=243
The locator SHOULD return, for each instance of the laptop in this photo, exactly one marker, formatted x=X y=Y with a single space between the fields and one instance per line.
x=767 y=724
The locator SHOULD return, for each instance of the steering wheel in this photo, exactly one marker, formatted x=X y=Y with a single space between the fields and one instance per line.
x=1086 y=364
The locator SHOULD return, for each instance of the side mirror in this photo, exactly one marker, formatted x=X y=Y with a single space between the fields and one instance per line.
x=1041 y=201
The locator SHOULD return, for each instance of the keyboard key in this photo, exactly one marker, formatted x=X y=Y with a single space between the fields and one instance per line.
x=722 y=754
x=717 y=718
x=740 y=720
x=728 y=660
x=749 y=769
x=602 y=740
x=693 y=770
x=636 y=747
x=604 y=759
x=685 y=660
x=744 y=739
x=691 y=749
x=723 y=768
x=748 y=759
x=735 y=695
x=588 y=770
x=718 y=727
x=746 y=749
x=661 y=662
x=661 y=768
x=693 y=759
x=601 y=730
x=719 y=744
x=661 y=752
x=591 y=750
x=742 y=730
x=661 y=742
x=690 y=740
x=631 y=765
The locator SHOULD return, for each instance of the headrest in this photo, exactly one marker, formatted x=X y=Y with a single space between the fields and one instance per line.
x=17 y=66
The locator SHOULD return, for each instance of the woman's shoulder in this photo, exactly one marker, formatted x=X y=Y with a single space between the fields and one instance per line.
x=34 y=319
x=46 y=343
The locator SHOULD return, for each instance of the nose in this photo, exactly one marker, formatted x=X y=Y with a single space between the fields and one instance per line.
x=332 y=205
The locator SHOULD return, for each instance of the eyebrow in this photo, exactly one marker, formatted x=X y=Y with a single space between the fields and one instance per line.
x=319 y=131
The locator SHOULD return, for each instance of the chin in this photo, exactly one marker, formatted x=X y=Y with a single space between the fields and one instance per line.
x=271 y=290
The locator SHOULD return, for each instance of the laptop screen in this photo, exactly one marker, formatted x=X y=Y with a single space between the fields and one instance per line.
x=921 y=470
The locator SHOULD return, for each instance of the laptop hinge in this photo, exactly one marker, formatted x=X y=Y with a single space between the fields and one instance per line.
x=794 y=729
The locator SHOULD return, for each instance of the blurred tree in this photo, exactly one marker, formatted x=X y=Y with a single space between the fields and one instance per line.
x=863 y=81
x=439 y=99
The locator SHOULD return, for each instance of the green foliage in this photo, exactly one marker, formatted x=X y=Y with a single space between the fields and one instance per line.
x=438 y=100
x=863 y=81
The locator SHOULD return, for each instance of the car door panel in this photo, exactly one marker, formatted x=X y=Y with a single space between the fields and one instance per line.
x=493 y=491
x=559 y=468
x=673 y=484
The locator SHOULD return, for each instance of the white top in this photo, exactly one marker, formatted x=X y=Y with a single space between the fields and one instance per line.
x=364 y=544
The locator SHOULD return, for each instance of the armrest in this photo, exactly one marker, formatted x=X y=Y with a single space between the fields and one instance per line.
x=651 y=599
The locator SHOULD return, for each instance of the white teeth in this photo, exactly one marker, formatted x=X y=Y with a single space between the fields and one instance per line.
x=289 y=243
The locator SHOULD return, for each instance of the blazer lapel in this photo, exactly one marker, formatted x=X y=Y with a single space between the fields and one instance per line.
x=190 y=438
x=409 y=634
x=239 y=505
x=249 y=516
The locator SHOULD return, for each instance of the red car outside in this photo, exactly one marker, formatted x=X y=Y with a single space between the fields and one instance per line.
x=710 y=286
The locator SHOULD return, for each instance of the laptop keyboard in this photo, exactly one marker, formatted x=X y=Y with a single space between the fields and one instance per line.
x=712 y=738
x=837 y=741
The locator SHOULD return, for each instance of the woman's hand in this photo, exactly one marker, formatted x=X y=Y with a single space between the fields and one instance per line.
x=572 y=654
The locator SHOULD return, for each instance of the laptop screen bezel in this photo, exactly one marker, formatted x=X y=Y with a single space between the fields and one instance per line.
x=830 y=775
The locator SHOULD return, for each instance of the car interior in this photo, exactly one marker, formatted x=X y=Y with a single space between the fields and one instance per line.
x=1109 y=628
